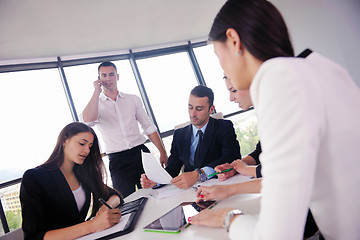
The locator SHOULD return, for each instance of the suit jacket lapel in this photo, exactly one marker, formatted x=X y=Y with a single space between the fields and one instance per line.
x=66 y=194
x=85 y=209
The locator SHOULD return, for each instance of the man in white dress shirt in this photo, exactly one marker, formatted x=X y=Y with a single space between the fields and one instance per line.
x=117 y=115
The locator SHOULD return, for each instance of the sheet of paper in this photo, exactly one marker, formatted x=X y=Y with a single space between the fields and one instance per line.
x=116 y=228
x=238 y=178
x=153 y=170
x=166 y=191
x=171 y=190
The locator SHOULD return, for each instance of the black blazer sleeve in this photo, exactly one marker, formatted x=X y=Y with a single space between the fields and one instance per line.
x=255 y=155
x=33 y=214
x=175 y=163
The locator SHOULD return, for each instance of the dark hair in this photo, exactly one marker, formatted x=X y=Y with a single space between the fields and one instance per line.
x=259 y=25
x=203 y=91
x=91 y=172
x=107 y=64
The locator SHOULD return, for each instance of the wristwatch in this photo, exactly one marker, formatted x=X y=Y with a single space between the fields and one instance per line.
x=202 y=176
x=229 y=216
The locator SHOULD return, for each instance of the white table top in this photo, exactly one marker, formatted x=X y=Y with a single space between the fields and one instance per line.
x=154 y=208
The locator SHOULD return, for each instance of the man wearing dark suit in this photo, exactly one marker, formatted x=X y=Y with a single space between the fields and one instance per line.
x=217 y=140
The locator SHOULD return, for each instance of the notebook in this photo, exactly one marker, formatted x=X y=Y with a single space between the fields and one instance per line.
x=130 y=213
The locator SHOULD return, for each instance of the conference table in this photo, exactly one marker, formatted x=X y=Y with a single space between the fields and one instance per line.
x=158 y=205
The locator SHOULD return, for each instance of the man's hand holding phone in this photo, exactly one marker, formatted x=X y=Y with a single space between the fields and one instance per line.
x=98 y=85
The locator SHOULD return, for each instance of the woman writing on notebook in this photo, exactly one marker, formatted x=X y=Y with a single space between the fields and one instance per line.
x=309 y=129
x=56 y=196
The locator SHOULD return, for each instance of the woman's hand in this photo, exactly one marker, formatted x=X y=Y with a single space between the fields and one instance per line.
x=243 y=168
x=113 y=201
x=106 y=218
x=240 y=166
x=210 y=217
x=225 y=175
x=217 y=192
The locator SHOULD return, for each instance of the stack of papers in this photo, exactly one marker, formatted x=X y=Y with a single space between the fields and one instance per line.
x=155 y=172
x=238 y=178
x=166 y=191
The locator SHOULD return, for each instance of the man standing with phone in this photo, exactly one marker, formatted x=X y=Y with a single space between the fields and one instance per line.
x=117 y=115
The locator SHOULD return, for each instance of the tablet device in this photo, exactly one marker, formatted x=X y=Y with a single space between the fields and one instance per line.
x=176 y=219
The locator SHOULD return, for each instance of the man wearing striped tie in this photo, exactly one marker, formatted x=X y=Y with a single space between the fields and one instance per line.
x=200 y=146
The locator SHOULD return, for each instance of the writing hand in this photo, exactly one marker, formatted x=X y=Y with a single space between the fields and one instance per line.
x=217 y=192
x=106 y=218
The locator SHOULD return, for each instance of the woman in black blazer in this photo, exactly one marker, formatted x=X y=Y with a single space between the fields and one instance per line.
x=57 y=196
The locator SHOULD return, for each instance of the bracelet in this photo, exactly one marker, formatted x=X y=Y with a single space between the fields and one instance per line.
x=229 y=216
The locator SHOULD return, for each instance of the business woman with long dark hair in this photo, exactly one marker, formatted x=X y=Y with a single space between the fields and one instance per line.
x=58 y=196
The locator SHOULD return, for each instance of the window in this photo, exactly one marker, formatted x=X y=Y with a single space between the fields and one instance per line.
x=34 y=110
x=11 y=209
x=168 y=81
x=213 y=76
x=245 y=126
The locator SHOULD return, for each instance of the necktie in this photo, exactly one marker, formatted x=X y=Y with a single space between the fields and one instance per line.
x=197 y=151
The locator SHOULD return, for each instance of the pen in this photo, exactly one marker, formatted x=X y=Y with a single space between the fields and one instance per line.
x=226 y=170
x=196 y=188
x=105 y=203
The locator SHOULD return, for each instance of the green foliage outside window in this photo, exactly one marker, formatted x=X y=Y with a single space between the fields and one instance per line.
x=248 y=138
x=245 y=125
x=14 y=219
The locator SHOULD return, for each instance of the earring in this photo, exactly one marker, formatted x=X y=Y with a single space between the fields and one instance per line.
x=239 y=53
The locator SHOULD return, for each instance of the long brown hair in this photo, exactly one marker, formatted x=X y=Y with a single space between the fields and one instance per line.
x=92 y=172
x=259 y=24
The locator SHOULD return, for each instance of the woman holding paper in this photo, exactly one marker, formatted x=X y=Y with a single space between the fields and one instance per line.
x=56 y=196
x=309 y=129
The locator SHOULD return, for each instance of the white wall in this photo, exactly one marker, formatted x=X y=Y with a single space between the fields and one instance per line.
x=330 y=27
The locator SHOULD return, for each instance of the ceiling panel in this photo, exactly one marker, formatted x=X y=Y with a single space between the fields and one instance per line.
x=38 y=29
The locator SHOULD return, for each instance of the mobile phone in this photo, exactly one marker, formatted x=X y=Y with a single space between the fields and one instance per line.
x=158 y=186
x=199 y=206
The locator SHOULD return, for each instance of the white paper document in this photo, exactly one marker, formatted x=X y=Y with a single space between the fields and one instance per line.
x=238 y=178
x=116 y=228
x=166 y=191
x=153 y=170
